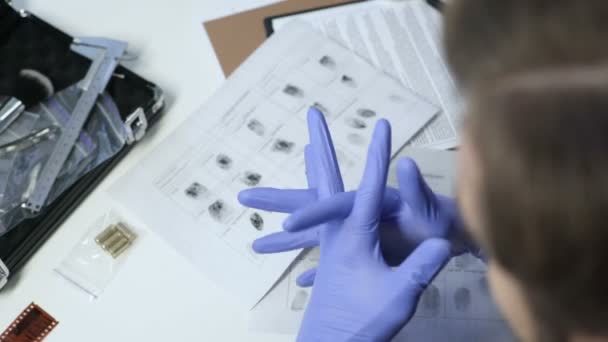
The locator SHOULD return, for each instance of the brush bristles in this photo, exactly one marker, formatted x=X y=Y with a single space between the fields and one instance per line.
x=33 y=87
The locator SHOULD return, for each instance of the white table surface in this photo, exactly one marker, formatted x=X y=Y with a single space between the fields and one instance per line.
x=158 y=295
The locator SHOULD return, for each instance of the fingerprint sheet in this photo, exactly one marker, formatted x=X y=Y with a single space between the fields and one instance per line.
x=252 y=133
x=456 y=307
x=403 y=38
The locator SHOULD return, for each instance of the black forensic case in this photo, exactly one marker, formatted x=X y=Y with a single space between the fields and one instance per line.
x=28 y=42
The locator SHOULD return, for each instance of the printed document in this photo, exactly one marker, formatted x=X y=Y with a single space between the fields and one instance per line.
x=403 y=39
x=252 y=133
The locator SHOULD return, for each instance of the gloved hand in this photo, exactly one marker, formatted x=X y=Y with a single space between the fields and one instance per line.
x=357 y=296
x=409 y=215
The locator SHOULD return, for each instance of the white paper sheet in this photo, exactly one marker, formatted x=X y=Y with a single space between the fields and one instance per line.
x=437 y=167
x=403 y=39
x=456 y=307
x=253 y=133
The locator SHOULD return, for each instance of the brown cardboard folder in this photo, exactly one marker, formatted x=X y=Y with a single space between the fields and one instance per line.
x=235 y=37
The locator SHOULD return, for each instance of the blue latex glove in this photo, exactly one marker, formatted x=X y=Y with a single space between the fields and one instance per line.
x=409 y=215
x=357 y=295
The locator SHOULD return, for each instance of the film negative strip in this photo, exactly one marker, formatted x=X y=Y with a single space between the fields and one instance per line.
x=32 y=325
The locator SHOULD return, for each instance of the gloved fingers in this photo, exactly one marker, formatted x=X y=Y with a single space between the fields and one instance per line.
x=421 y=267
x=277 y=200
x=369 y=199
x=311 y=167
x=391 y=207
x=337 y=207
x=329 y=179
x=283 y=241
x=412 y=186
x=307 y=279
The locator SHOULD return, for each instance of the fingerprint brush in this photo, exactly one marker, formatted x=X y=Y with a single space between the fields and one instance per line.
x=31 y=88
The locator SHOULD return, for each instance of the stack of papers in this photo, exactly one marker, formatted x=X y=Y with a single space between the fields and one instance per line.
x=404 y=40
x=253 y=133
x=357 y=63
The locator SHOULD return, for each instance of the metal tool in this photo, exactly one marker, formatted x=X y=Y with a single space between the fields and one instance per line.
x=10 y=109
x=105 y=55
x=29 y=140
x=4 y=273
x=31 y=87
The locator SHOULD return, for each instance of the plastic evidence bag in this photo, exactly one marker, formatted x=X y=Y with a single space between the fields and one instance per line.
x=103 y=136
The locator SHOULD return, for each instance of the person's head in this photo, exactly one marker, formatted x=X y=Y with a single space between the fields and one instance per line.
x=534 y=180
x=486 y=39
x=534 y=193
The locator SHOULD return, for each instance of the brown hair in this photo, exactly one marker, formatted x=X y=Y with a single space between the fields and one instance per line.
x=540 y=124
x=542 y=143
x=486 y=39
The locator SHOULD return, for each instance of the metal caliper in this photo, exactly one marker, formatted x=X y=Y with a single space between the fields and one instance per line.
x=105 y=54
